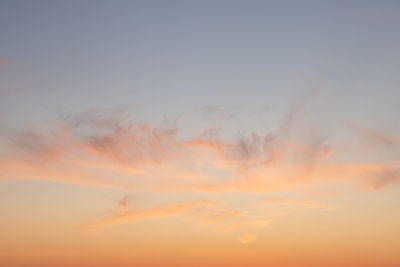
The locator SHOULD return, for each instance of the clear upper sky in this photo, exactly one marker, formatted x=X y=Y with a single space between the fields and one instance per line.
x=167 y=57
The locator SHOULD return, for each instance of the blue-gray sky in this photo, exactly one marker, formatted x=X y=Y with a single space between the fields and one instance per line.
x=167 y=57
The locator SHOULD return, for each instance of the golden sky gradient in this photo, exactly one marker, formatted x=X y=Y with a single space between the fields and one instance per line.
x=199 y=133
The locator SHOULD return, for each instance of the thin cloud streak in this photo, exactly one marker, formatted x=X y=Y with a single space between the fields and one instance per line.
x=246 y=239
x=300 y=204
x=374 y=135
x=206 y=214
x=153 y=213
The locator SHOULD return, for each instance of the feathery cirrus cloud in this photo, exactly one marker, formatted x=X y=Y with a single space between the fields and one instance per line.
x=75 y=148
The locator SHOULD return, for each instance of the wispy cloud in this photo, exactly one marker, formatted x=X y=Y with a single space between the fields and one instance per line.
x=255 y=149
x=246 y=239
x=384 y=178
x=32 y=143
x=99 y=143
x=300 y=204
x=217 y=113
x=112 y=135
x=5 y=87
x=158 y=212
x=374 y=135
x=123 y=204
x=208 y=214
x=5 y=62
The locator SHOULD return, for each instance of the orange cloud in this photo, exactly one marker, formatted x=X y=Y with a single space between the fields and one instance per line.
x=245 y=239
x=98 y=144
x=300 y=204
x=209 y=214
x=153 y=213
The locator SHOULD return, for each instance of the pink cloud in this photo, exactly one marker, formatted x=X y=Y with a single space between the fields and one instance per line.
x=4 y=62
x=101 y=143
x=158 y=212
x=374 y=135
x=384 y=178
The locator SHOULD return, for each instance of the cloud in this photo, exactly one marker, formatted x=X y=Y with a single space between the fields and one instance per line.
x=154 y=158
x=374 y=135
x=106 y=148
x=110 y=134
x=101 y=143
x=5 y=87
x=158 y=212
x=246 y=239
x=4 y=62
x=123 y=204
x=214 y=214
x=300 y=204
x=384 y=178
x=209 y=109
x=208 y=214
x=282 y=147
x=263 y=150
x=292 y=117
x=132 y=145
x=107 y=134
x=248 y=150
x=215 y=114
x=218 y=216
x=5 y=91
x=245 y=223
x=36 y=143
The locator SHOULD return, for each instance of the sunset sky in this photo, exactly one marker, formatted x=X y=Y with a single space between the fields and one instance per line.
x=200 y=133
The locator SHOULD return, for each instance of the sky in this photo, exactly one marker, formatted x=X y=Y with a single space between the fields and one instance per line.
x=199 y=133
